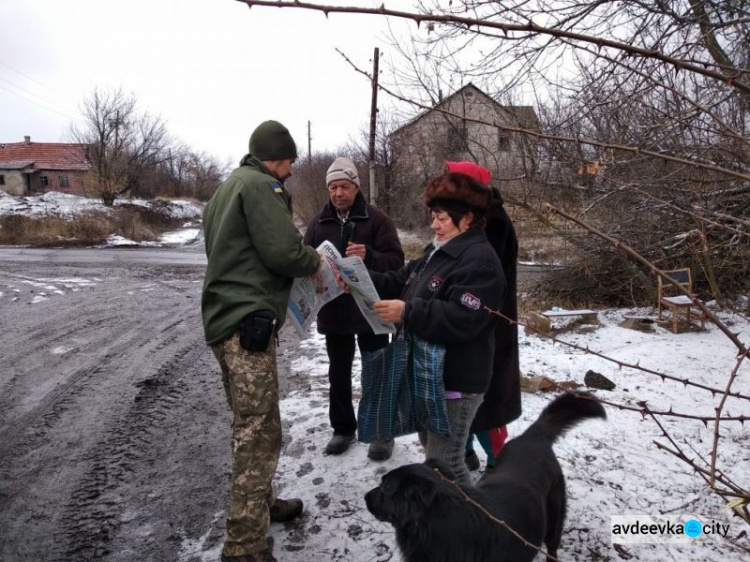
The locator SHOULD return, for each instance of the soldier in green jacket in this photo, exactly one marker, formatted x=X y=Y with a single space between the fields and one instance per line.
x=254 y=253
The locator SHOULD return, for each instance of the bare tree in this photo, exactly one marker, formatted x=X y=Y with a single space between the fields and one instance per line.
x=205 y=174
x=184 y=173
x=308 y=185
x=123 y=143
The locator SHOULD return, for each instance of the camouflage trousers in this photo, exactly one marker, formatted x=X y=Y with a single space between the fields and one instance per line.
x=252 y=389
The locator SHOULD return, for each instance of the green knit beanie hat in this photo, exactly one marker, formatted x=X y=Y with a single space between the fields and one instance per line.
x=272 y=141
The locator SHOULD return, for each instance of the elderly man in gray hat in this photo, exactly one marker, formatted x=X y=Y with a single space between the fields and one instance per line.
x=254 y=253
x=356 y=228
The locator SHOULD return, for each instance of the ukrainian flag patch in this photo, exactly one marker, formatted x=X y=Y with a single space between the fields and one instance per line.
x=277 y=188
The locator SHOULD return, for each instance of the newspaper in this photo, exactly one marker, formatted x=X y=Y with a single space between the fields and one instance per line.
x=309 y=295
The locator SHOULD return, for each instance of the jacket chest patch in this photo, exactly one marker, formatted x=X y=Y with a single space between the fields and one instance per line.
x=277 y=188
x=434 y=283
x=470 y=301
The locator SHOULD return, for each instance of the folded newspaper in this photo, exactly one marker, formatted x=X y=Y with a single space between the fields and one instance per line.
x=308 y=296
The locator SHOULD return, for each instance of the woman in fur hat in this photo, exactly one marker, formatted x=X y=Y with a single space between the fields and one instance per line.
x=442 y=297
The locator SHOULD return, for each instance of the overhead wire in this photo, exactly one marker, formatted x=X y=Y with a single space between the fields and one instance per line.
x=39 y=101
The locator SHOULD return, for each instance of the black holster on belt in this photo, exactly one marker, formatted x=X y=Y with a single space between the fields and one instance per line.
x=257 y=329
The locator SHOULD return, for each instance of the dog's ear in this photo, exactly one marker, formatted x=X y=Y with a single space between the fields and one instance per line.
x=421 y=491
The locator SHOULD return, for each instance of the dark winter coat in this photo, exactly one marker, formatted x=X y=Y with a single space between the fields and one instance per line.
x=445 y=298
x=502 y=402
x=254 y=250
x=365 y=225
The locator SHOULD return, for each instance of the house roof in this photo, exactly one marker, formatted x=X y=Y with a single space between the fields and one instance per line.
x=525 y=114
x=44 y=156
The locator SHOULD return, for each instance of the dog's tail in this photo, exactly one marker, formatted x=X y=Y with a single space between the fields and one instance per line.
x=564 y=412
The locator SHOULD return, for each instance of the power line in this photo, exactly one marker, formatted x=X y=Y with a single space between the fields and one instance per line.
x=44 y=105
x=6 y=65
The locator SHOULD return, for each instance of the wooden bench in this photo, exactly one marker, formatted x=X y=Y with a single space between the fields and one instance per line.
x=542 y=321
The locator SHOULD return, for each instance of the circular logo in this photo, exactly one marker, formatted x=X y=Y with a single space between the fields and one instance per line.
x=693 y=528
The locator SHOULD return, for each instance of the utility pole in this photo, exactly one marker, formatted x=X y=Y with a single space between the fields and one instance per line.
x=373 y=120
x=309 y=143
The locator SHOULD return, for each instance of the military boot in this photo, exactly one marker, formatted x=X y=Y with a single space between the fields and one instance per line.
x=285 y=510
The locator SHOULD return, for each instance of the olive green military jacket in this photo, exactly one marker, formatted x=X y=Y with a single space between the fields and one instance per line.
x=254 y=250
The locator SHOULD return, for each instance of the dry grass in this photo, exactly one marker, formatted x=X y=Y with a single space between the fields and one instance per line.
x=196 y=202
x=129 y=221
x=413 y=242
x=53 y=231
x=539 y=243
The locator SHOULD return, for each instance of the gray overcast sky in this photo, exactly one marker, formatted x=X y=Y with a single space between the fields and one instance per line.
x=212 y=69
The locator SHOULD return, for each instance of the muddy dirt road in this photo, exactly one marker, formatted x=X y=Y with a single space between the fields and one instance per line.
x=114 y=432
x=113 y=426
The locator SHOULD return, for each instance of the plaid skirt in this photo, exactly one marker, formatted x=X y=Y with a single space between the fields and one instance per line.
x=402 y=390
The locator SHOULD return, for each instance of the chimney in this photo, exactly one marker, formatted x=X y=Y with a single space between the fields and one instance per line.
x=27 y=139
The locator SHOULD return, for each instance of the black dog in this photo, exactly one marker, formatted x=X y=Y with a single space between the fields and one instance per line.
x=434 y=522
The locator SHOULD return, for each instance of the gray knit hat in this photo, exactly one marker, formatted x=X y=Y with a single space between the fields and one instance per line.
x=272 y=141
x=342 y=169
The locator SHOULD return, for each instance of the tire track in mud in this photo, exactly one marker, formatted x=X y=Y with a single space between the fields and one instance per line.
x=106 y=288
x=47 y=411
x=43 y=434
x=56 y=402
x=93 y=513
x=109 y=450
x=74 y=382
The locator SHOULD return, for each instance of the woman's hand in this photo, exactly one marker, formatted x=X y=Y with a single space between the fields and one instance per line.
x=390 y=311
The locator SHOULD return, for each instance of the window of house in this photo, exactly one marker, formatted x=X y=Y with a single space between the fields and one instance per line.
x=503 y=140
x=456 y=140
x=64 y=181
x=44 y=180
x=2 y=179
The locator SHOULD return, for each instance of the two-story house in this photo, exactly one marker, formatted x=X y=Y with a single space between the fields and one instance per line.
x=460 y=127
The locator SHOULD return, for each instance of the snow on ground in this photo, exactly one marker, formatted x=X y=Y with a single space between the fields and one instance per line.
x=68 y=206
x=187 y=235
x=50 y=203
x=47 y=287
x=612 y=468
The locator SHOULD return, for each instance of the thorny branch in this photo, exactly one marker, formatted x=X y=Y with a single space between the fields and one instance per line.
x=559 y=138
x=719 y=409
x=711 y=475
x=497 y=520
x=624 y=364
x=530 y=27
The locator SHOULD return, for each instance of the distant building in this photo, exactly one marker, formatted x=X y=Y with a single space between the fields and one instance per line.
x=28 y=168
x=448 y=132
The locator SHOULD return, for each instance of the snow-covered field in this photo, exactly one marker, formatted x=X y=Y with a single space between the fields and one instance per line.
x=613 y=468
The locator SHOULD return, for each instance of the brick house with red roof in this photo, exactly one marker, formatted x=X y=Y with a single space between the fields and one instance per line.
x=29 y=168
